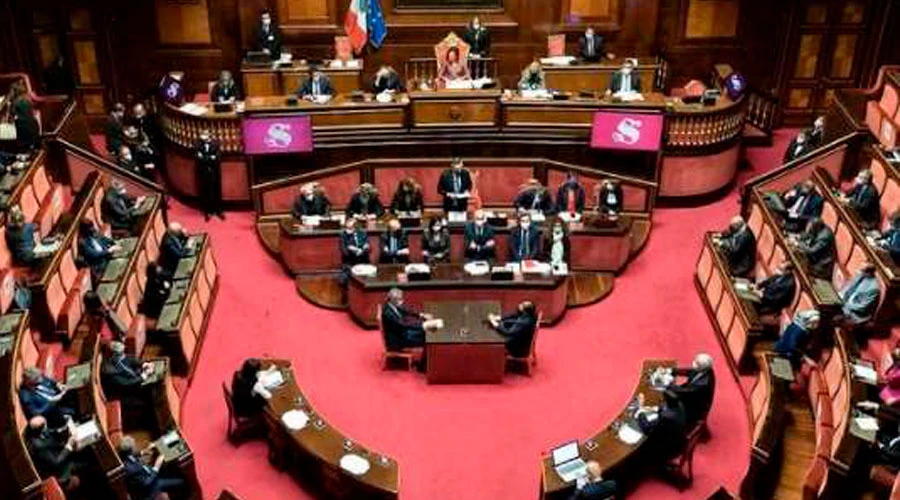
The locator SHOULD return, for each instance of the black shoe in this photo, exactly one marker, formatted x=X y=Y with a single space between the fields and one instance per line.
x=220 y=215
x=206 y=217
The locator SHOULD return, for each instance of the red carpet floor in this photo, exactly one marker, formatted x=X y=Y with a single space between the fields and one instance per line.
x=465 y=442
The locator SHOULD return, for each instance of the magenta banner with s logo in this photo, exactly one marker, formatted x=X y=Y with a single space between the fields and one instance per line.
x=630 y=131
x=276 y=135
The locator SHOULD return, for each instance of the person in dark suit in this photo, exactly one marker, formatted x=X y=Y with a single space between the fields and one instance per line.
x=156 y=291
x=143 y=480
x=175 y=245
x=115 y=128
x=478 y=37
x=798 y=340
x=386 y=79
x=225 y=89
x=268 y=39
x=524 y=241
x=590 y=46
x=248 y=395
x=394 y=244
x=610 y=198
x=625 y=80
x=666 y=427
x=533 y=197
x=145 y=154
x=799 y=146
x=889 y=240
x=354 y=245
x=317 y=86
x=777 y=291
x=22 y=240
x=311 y=202
x=479 y=239
x=119 y=209
x=863 y=198
x=365 y=202
x=94 y=249
x=42 y=396
x=698 y=388
x=407 y=198
x=738 y=245
x=570 y=196
x=209 y=175
x=147 y=124
x=455 y=185
x=593 y=486
x=402 y=327
x=802 y=203
x=818 y=245
x=436 y=242
x=518 y=328
x=122 y=375
x=816 y=135
x=52 y=454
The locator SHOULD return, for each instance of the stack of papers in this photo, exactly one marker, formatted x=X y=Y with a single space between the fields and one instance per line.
x=535 y=267
x=558 y=60
x=364 y=270
x=629 y=96
x=865 y=373
x=271 y=379
x=192 y=108
x=477 y=268
x=630 y=435
x=355 y=464
x=86 y=434
x=433 y=324
x=295 y=420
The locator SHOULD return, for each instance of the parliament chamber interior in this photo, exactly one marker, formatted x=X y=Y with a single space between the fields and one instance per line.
x=564 y=249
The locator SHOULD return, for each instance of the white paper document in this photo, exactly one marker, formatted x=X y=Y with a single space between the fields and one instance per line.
x=630 y=435
x=295 y=419
x=355 y=464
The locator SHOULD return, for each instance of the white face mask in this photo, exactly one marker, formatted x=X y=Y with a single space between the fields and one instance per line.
x=310 y=196
x=626 y=71
x=557 y=234
x=127 y=157
x=526 y=225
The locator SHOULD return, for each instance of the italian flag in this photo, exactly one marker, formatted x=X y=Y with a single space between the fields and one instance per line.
x=356 y=24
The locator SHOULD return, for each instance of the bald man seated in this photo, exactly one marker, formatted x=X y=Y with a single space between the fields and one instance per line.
x=592 y=486
x=738 y=245
x=175 y=246
x=697 y=389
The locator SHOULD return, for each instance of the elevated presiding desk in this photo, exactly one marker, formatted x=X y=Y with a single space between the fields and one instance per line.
x=268 y=79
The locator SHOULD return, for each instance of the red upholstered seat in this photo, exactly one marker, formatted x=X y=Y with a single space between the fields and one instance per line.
x=815 y=478
x=50 y=211
x=29 y=203
x=765 y=245
x=52 y=490
x=874 y=116
x=7 y=289
x=879 y=174
x=70 y=314
x=40 y=182
x=890 y=198
x=136 y=337
x=889 y=100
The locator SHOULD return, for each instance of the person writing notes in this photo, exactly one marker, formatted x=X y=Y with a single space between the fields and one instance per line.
x=455 y=186
x=402 y=327
x=386 y=80
x=625 y=81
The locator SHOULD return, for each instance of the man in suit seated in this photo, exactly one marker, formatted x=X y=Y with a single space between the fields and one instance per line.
x=518 y=328
x=402 y=327
x=610 y=198
x=386 y=80
x=394 y=244
x=142 y=477
x=738 y=245
x=365 y=202
x=479 y=238
x=53 y=453
x=533 y=197
x=94 y=249
x=122 y=375
x=799 y=146
x=625 y=80
x=121 y=210
x=175 y=245
x=818 y=245
x=570 y=196
x=802 y=203
x=317 y=87
x=248 y=393
x=592 y=486
x=225 y=91
x=864 y=200
x=311 y=202
x=455 y=185
x=697 y=390
x=860 y=297
x=524 y=240
x=777 y=291
x=354 y=245
x=42 y=396
x=590 y=46
x=408 y=198
x=22 y=240
x=665 y=426
x=889 y=240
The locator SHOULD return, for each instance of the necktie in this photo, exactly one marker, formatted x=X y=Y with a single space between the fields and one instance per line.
x=315 y=87
x=570 y=201
x=590 y=45
x=536 y=201
x=525 y=251
x=393 y=244
x=457 y=182
x=626 y=83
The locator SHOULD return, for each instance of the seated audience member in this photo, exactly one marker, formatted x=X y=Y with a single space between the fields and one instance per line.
x=890 y=392
x=436 y=242
x=797 y=340
x=816 y=135
x=386 y=80
x=801 y=203
x=175 y=245
x=127 y=160
x=533 y=197
x=478 y=37
x=592 y=486
x=115 y=128
x=119 y=209
x=818 y=245
x=311 y=202
x=225 y=89
x=625 y=80
x=698 y=388
x=479 y=238
x=610 y=198
x=570 y=196
x=354 y=244
x=248 y=394
x=518 y=328
x=365 y=202
x=143 y=480
x=798 y=147
x=53 y=454
x=22 y=240
x=122 y=375
x=738 y=245
x=556 y=244
x=316 y=87
x=94 y=249
x=524 y=240
x=590 y=46
x=889 y=240
x=42 y=396
x=863 y=199
x=144 y=156
x=860 y=297
x=402 y=327
x=777 y=291
x=408 y=198
x=455 y=185
x=665 y=426
x=156 y=291
x=532 y=77
x=394 y=244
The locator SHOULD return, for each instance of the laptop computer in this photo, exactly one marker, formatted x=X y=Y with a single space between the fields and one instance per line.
x=567 y=462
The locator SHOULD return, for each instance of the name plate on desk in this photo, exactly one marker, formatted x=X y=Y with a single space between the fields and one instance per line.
x=628 y=131
x=277 y=135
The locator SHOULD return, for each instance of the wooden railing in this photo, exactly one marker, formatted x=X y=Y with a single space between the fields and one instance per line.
x=763 y=111
x=699 y=129
x=184 y=129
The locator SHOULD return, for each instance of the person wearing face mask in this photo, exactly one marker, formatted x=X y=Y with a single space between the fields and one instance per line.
x=816 y=135
x=115 y=128
x=386 y=80
x=625 y=80
x=798 y=147
x=126 y=160
x=355 y=247
x=570 y=196
x=119 y=209
x=394 y=244
x=610 y=198
x=455 y=186
x=365 y=203
x=209 y=175
x=408 y=198
x=533 y=197
x=268 y=39
x=590 y=46
x=863 y=199
x=557 y=244
x=738 y=245
x=889 y=240
x=95 y=249
x=525 y=241
x=436 y=242
x=225 y=90
x=817 y=244
x=317 y=87
x=479 y=239
x=478 y=37
x=53 y=455
x=311 y=202
x=801 y=203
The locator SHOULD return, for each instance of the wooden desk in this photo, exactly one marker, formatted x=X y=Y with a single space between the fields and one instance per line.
x=455 y=108
x=313 y=453
x=596 y=76
x=466 y=350
x=265 y=80
x=340 y=113
x=614 y=456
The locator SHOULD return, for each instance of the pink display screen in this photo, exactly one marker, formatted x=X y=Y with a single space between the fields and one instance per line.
x=629 y=131
x=277 y=135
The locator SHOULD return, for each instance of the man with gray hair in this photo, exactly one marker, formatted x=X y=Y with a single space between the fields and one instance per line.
x=738 y=245
x=143 y=480
x=122 y=375
x=697 y=389
x=402 y=327
x=119 y=208
x=40 y=395
x=175 y=245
